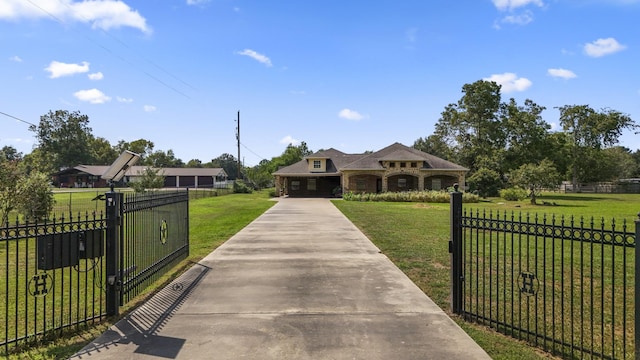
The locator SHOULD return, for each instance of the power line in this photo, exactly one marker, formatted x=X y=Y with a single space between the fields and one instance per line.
x=17 y=118
x=251 y=151
x=114 y=54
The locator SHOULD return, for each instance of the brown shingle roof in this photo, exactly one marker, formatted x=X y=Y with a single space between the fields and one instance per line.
x=339 y=161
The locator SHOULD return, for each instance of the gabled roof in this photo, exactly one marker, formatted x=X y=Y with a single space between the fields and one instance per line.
x=98 y=170
x=400 y=152
x=335 y=160
x=338 y=161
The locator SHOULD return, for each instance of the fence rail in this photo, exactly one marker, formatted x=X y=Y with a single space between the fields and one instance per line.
x=51 y=277
x=154 y=237
x=72 y=271
x=563 y=284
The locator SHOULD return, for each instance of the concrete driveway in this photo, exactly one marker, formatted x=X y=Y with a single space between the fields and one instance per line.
x=300 y=282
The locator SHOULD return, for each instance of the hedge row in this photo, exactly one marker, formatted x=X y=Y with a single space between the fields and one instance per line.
x=409 y=196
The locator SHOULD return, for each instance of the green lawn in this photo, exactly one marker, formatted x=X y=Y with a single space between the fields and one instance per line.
x=413 y=235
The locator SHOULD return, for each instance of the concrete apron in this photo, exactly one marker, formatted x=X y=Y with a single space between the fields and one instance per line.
x=300 y=282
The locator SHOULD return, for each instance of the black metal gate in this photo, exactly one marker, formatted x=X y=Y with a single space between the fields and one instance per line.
x=147 y=234
x=566 y=285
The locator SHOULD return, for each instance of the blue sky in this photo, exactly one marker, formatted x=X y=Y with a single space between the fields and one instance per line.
x=352 y=75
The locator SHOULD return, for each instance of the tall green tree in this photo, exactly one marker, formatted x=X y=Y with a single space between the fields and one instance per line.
x=636 y=157
x=262 y=174
x=64 y=137
x=194 y=163
x=591 y=130
x=526 y=134
x=160 y=159
x=434 y=145
x=471 y=127
x=9 y=180
x=293 y=153
x=10 y=153
x=615 y=163
x=141 y=147
x=37 y=160
x=102 y=152
x=227 y=162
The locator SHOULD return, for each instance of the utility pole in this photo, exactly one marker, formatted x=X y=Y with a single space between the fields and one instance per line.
x=238 y=138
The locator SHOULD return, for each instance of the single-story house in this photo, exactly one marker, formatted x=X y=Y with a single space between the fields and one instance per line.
x=395 y=168
x=90 y=176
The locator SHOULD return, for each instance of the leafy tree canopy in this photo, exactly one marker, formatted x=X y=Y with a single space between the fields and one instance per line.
x=535 y=177
x=64 y=138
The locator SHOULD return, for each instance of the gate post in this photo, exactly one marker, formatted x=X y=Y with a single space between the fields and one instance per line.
x=113 y=201
x=637 y=290
x=455 y=249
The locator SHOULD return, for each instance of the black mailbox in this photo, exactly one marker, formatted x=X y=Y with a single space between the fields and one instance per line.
x=66 y=249
x=90 y=244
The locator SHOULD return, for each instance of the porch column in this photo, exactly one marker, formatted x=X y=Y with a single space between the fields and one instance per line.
x=420 y=182
x=345 y=183
x=278 y=185
x=385 y=186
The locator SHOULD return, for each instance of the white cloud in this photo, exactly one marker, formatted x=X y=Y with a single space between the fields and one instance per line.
x=58 y=69
x=104 y=14
x=197 y=2
x=256 y=56
x=96 y=76
x=15 y=59
x=602 y=47
x=289 y=140
x=503 y=5
x=93 y=96
x=124 y=100
x=562 y=73
x=521 y=19
x=351 y=115
x=510 y=82
x=149 y=108
x=517 y=15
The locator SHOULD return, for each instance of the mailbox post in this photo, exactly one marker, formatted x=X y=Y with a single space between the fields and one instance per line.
x=113 y=200
x=115 y=173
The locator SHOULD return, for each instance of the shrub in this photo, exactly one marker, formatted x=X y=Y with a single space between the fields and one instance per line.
x=514 y=194
x=239 y=187
x=408 y=196
x=486 y=182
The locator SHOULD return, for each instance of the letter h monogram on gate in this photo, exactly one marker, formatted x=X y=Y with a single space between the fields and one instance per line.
x=528 y=285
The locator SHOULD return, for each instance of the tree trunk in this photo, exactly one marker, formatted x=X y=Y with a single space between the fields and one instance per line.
x=533 y=197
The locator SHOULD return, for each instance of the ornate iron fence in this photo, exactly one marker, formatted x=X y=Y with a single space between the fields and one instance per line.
x=70 y=272
x=565 y=285
x=51 y=277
